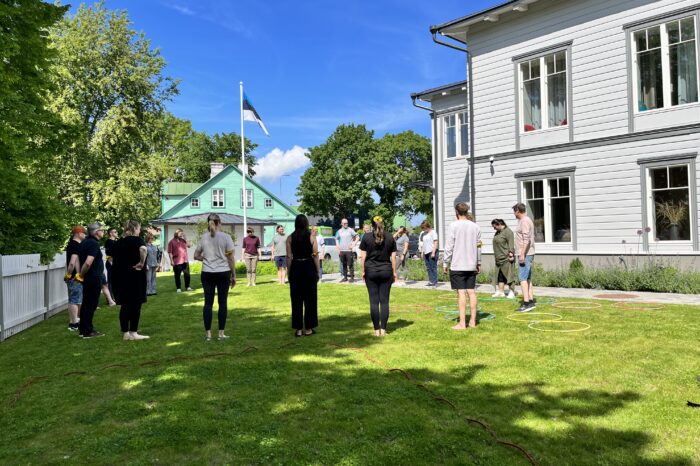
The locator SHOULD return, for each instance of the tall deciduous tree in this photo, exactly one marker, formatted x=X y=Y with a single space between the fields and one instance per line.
x=31 y=219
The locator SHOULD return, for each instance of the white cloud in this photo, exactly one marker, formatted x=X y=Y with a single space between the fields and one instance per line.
x=278 y=163
x=183 y=9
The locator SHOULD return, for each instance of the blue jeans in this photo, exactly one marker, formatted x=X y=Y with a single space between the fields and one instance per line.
x=431 y=265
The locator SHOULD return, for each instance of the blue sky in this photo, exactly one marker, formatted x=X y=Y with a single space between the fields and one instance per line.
x=307 y=66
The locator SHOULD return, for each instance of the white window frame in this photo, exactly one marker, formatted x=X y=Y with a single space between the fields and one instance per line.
x=651 y=207
x=544 y=91
x=194 y=203
x=547 y=198
x=218 y=197
x=250 y=197
x=460 y=151
x=268 y=200
x=665 y=64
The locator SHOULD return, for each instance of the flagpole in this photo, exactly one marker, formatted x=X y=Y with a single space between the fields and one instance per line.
x=244 y=193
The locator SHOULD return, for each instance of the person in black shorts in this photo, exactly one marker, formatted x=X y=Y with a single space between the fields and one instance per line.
x=91 y=275
x=463 y=255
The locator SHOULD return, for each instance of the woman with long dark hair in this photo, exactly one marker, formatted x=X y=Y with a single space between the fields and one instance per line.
x=215 y=250
x=303 y=269
x=504 y=255
x=129 y=279
x=378 y=265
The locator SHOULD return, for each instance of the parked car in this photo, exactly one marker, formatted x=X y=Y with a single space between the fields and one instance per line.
x=266 y=252
x=332 y=250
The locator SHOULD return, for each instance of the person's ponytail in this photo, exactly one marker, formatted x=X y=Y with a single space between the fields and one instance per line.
x=378 y=230
x=213 y=222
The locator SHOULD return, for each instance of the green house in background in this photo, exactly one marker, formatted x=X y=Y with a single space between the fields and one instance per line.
x=187 y=205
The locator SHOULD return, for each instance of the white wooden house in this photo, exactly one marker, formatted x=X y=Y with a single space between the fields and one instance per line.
x=585 y=110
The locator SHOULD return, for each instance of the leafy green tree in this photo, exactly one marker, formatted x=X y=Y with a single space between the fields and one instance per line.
x=31 y=219
x=339 y=181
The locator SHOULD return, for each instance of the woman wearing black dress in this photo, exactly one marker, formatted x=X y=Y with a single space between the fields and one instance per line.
x=303 y=269
x=378 y=263
x=129 y=282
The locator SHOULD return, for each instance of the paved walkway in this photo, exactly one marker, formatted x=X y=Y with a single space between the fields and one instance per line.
x=579 y=293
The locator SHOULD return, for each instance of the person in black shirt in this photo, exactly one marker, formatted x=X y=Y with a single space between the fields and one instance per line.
x=129 y=281
x=75 y=288
x=91 y=276
x=303 y=268
x=378 y=265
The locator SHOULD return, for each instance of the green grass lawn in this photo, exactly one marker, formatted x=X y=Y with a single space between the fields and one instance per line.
x=612 y=395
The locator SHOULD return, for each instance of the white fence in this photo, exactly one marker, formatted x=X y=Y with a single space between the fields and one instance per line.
x=30 y=292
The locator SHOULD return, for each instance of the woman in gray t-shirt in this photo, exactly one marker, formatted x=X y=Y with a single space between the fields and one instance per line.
x=215 y=250
x=401 y=239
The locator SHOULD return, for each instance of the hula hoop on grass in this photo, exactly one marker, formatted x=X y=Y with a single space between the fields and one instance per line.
x=479 y=316
x=529 y=314
x=447 y=296
x=451 y=308
x=532 y=325
x=638 y=306
x=577 y=305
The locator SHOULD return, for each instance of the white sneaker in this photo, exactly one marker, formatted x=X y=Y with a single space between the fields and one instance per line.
x=497 y=294
x=510 y=295
x=179 y=290
x=136 y=336
x=127 y=336
x=189 y=289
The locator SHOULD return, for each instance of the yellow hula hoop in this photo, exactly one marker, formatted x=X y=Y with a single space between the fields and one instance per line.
x=577 y=305
x=638 y=306
x=447 y=296
x=532 y=325
x=530 y=314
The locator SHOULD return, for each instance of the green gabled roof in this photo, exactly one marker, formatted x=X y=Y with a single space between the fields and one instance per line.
x=179 y=189
x=200 y=188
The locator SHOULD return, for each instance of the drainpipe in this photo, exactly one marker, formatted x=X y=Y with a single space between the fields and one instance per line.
x=472 y=176
x=434 y=157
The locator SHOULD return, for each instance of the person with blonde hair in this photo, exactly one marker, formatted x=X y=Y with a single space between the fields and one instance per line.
x=378 y=266
x=179 y=259
x=129 y=255
x=215 y=250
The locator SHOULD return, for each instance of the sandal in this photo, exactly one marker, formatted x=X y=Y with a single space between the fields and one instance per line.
x=308 y=334
x=298 y=333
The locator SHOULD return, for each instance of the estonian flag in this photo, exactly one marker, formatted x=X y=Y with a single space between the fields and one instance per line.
x=250 y=114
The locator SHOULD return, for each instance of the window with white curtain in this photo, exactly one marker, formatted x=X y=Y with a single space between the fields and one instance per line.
x=548 y=204
x=249 y=197
x=670 y=202
x=456 y=134
x=543 y=92
x=217 y=198
x=665 y=64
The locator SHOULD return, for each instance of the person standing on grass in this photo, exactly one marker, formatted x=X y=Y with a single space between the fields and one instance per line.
x=152 y=264
x=401 y=239
x=463 y=254
x=302 y=252
x=504 y=255
x=129 y=255
x=279 y=253
x=177 y=250
x=106 y=291
x=525 y=245
x=430 y=252
x=346 y=239
x=73 y=282
x=251 y=255
x=112 y=238
x=215 y=250
x=378 y=266
x=91 y=272
x=321 y=242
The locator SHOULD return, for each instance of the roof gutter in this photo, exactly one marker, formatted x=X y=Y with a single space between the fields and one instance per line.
x=414 y=98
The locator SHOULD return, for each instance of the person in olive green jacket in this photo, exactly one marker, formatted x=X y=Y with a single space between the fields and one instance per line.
x=504 y=254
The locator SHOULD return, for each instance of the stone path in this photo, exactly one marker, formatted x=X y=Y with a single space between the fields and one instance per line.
x=579 y=293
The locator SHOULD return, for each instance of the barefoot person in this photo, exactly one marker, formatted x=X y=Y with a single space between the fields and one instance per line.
x=215 y=250
x=302 y=252
x=463 y=254
x=525 y=245
x=279 y=254
x=378 y=266
x=129 y=281
x=504 y=255
x=75 y=288
x=91 y=272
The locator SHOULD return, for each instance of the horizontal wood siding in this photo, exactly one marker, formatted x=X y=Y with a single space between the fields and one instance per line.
x=607 y=188
x=598 y=72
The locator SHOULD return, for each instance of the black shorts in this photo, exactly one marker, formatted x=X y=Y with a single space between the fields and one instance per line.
x=463 y=280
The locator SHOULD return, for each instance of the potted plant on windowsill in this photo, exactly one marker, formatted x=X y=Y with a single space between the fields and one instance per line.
x=672 y=214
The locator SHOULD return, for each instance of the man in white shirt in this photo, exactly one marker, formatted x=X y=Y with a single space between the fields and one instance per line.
x=463 y=254
x=430 y=250
x=320 y=240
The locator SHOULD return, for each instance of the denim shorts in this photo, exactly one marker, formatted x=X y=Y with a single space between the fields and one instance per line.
x=525 y=271
x=75 y=292
x=280 y=261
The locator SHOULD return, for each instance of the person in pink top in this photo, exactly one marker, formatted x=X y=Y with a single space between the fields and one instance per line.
x=177 y=251
x=525 y=246
x=251 y=255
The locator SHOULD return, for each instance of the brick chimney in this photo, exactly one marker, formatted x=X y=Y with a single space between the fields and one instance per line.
x=216 y=168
